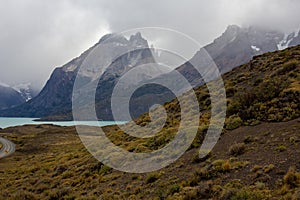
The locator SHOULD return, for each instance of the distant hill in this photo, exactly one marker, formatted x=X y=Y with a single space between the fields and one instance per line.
x=9 y=97
x=16 y=95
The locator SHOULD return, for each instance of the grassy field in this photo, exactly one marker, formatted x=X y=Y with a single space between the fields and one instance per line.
x=252 y=162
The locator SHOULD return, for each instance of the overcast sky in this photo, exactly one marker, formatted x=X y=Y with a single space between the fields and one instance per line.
x=37 y=36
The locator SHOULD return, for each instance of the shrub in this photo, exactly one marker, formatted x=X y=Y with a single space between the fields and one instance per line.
x=246 y=98
x=24 y=195
x=249 y=139
x=292 y=178
x=246 y=195
x=260 y=185
x=105 y=170
x=67 y=174
x=192 y=194
x=230 y=91
x=233 y=122
x=271 y=88
x=197 y=159
x=256 y=168
x=175 y=188
x=237 y=149
x=296 y=195
x=268 y=168
x=201 y=174
x=287 y=67
x=58 y=193
x=233 y=107
x=226 y=166
x=281 y=148
x=222 y=165
x=152 y=177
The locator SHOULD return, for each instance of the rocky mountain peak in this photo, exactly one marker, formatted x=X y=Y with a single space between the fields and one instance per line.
x=135 y=40
x=232 y=30
x=138 y=40
x=113 y=38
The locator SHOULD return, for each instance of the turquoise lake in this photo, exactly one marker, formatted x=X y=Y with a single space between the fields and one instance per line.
x=9 y=122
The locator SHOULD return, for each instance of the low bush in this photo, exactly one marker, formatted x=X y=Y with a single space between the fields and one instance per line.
x=152 y=177
x=292 y=178
x=281 y=148
x=237 y=149
x=233 y=122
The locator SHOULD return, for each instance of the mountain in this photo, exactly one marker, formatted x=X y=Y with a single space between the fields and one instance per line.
x=289 y=40
x=256 y=157
x=233 y=48
x=26 y=90
x=55 y=97
x=237 y=46
x=16 y=95
x=9 y=97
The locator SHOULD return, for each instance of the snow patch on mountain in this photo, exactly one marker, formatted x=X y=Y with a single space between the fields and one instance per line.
x=283 y=43
x=296 y=34
x=71 y=68
x=255 y=48
x=287 y=40
x=25 y=90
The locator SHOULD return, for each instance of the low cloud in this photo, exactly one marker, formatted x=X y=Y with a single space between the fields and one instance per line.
x=37 y=36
